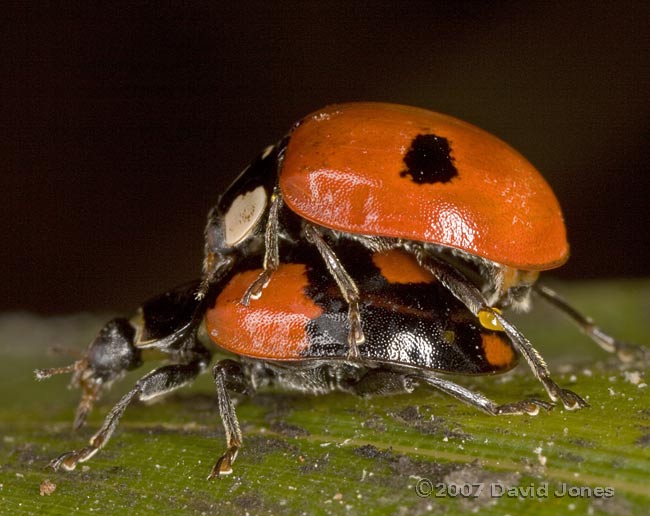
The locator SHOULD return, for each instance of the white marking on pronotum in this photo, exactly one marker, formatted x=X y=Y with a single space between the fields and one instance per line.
x=244 y=214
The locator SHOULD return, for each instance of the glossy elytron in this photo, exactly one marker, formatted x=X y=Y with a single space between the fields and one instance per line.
x=373 y=247
x=398 y=171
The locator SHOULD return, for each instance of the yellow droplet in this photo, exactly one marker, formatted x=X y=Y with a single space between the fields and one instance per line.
x=488 y=320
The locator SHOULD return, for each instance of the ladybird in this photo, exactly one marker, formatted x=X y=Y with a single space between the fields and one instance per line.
x=371 y=248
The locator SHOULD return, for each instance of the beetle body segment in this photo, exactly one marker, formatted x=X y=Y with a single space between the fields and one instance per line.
x=408 y=318
x=273 y=327
x=355 y=168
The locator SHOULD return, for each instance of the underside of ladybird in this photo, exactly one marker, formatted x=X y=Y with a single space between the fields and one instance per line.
x=375 y=248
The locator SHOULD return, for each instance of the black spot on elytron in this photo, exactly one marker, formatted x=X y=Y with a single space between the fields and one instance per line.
x=429 y=160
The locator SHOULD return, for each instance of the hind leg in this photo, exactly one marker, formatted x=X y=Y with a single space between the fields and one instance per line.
x=625 y=351
x=382 y=382
x=474 y=300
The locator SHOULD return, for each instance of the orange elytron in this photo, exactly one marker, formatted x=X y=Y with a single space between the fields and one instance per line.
x=346 y=167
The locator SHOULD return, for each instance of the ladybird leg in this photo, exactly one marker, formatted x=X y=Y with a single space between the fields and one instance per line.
x=108 y=357
x=346 y=285
x=271 y=251
x=157 y=382
x=625 y=351
x=228 y=375
x=529 y=406
x=570 y=399
x=474 y=300
x=215 y=266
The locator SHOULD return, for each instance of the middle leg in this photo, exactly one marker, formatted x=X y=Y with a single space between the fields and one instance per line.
x=346 y=285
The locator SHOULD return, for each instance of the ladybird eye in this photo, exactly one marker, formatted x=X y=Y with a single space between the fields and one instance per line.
x=244 y=214
x=489 y=321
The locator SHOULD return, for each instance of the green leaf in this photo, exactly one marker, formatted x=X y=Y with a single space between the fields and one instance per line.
x=338 y=453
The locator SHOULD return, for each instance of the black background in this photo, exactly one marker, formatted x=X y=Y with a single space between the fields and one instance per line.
x=121 y=126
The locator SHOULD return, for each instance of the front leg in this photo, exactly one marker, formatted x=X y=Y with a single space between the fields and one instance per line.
x=162 y=322
x=158 y=382
x=271 y=251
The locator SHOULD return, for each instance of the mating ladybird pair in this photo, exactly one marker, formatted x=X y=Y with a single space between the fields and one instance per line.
x=373 y=247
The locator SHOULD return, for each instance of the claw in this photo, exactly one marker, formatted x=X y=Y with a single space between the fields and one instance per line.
x=68 y=461
x=571 y=400
x=535 y=405
x=628 y=353
x=224 y=464
x=530 y=407
x=254 y=291
x=62 y=462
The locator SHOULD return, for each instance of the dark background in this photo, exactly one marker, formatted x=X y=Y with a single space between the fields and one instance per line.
x=121 y=126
